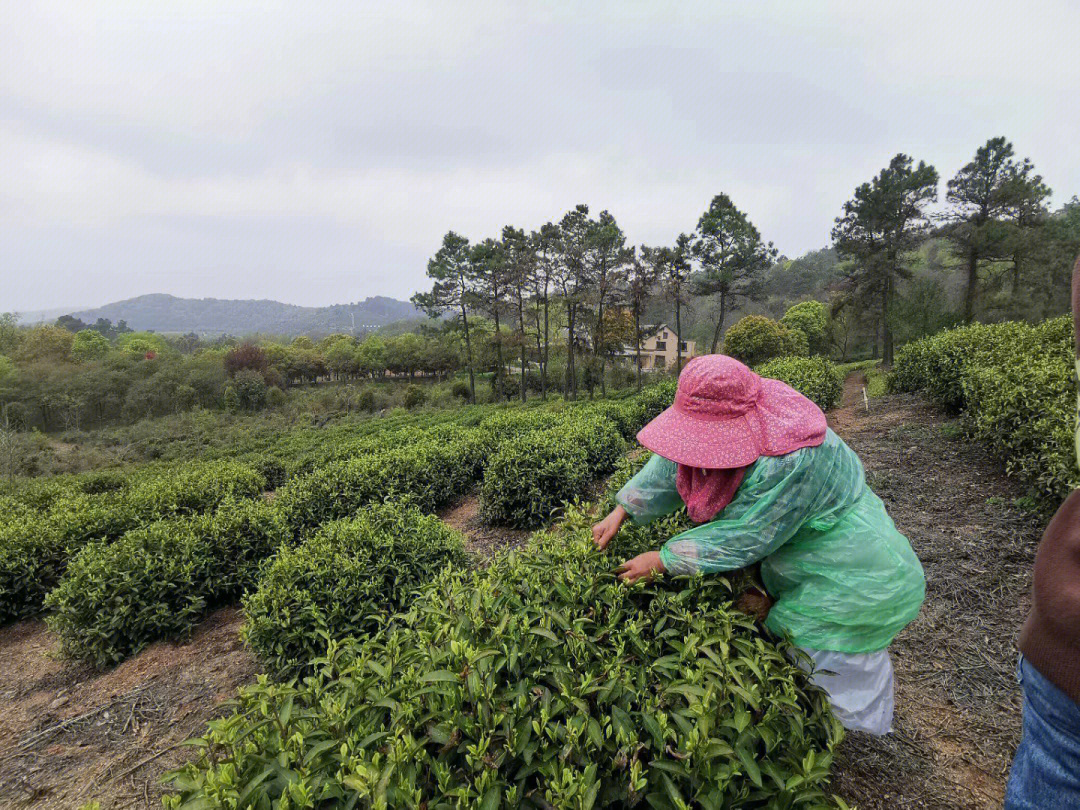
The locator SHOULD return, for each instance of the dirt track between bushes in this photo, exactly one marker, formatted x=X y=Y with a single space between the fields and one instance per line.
x=68 y=734
x=957 y=702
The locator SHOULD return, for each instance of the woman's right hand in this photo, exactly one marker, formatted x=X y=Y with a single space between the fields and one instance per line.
x=607 y=528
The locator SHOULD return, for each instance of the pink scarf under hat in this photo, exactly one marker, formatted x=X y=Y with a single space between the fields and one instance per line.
x=707 y=492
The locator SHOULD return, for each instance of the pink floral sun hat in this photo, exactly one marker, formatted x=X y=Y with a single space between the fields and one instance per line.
x=726 y=416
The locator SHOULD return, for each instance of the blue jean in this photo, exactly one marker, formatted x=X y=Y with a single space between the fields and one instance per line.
x=1046 y=769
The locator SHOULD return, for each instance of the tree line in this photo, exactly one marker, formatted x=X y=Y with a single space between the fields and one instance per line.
x=578 y=286
x=52 y=377
x=569 y=283
x=996 y=221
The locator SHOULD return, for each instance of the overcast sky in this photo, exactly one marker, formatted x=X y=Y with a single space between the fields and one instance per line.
x=316 y=152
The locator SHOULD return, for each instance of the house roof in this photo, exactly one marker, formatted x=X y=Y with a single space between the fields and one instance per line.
x=652 y=331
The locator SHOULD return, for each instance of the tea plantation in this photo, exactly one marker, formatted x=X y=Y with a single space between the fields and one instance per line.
x=401 y=673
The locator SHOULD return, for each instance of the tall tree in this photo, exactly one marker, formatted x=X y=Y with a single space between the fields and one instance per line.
x=885 y=219
x=573 y=279
x=545 y=249
x=607 y=258
x=1027 y=195
x=671 y=268
x=490 y=270
x=521 y=267
x=983 y=197
x=732 y=256
x=454 y=275
x=641 y=279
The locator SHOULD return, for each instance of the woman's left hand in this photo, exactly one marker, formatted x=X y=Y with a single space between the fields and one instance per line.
x=643 y=566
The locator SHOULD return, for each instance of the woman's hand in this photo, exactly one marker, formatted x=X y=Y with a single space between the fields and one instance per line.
x=643 y=566
x=607 y=528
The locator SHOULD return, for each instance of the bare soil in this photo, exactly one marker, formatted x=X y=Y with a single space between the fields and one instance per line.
x=957 y=702
x=481 y=539
x=68 y=734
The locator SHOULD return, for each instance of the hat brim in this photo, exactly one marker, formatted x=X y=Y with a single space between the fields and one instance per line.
x=782 y=422
x=700 y=443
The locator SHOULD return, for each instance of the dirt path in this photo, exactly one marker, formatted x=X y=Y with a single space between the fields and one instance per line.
x=481 y=539
x=957 y=703
x=68 y=734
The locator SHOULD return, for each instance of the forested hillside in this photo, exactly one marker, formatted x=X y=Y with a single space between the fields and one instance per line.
x=210 y=316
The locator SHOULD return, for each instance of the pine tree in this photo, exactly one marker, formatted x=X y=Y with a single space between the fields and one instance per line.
x=454 y=275
x=732 y=256
x=885 y=219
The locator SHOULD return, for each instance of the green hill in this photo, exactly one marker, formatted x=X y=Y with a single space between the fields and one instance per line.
x=167 y=313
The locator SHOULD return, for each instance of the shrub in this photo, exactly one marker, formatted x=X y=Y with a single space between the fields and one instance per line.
x=505 y=387
x=1014 y=384
x=815 y=378
x=415 y=396
x=250 y=389
x=365 y=400
x=537 y=681
x=346 y=580
x=811 y=318
x=34 y=550
x=935 y=364
x=655 y=399
x=159 y=580
x=460 y=389
x=511 y=422
x=230 y=400
x=276 y=397
x=432 y=473
x=755 y=339
x=533 y=474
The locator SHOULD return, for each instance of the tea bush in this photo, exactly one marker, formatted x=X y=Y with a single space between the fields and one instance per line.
x=539 y=681
x=35 y=549
x=756 y=338
x=935 y=364
x=431 y=472
x=627 y=416
x=1014 y=384
x=529 y=477
x=346 y=580
x=321 y=473
x=816 y=378
x=655 y=399
x=158 y=581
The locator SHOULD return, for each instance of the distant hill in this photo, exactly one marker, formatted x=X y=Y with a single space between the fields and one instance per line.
x=211 y=316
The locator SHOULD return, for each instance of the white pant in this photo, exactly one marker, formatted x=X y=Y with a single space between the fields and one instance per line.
x=860 y=687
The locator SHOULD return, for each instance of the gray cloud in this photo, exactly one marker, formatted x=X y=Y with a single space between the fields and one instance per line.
x=316 y=152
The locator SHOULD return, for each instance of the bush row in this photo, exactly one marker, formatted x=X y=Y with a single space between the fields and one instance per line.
x=430 y=472
x=35 y=546
x=159 y=580
x=345 y=581
x=539 y=681
x=816 y=378
x=47 y=525
x=531 y=475
x=1014 y=383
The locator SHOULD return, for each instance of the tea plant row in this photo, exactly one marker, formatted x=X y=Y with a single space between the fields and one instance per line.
x=155 y=574
x=1014 y=384
x=536 y=681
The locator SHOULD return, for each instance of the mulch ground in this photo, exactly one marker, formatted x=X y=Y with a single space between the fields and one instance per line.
x=68 y=734
x=957 y=701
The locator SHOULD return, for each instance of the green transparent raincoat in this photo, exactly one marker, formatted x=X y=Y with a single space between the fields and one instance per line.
x=842 y=577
